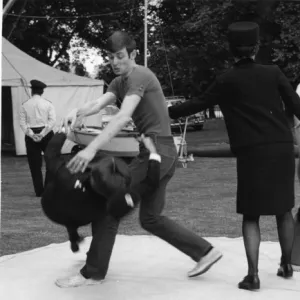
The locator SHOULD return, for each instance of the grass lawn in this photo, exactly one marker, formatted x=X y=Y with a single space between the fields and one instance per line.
x=201 y=197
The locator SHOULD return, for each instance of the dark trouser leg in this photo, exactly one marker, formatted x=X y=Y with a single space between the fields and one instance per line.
x=93 y=229
x=286 y=229
x=251 y=236
x=105 y=230
x=44 y=143
x=151 y=209
x=74 y=237
x=34 y=157
x=181 y=238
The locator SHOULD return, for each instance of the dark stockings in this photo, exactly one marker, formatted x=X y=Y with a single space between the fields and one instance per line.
x=285 y=228
x=251 y=236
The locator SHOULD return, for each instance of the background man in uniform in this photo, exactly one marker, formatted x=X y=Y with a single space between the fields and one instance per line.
x=37 y=118
x=140 y=96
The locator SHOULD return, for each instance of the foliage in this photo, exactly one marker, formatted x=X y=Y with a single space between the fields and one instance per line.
x=191 y=42
x=191 y=39
x=287 y=44
x=186 y=38
x=61 y=22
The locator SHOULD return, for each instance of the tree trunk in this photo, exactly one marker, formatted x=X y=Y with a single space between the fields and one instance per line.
x=268 y=29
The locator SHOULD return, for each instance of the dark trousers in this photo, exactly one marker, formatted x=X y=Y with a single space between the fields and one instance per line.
x=150 y=216
x=104 y=231
x=34 y=156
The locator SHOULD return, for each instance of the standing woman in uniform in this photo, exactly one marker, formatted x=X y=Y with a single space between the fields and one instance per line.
x=250 y=96
x=296 y=246
x=37 y=118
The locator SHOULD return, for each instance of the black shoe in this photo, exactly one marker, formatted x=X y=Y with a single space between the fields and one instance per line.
x=75 y=244
x=285 y=271
x=74 y=247
x=250 y=282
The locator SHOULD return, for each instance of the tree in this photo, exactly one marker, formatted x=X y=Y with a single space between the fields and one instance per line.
x=79 y=68
x=45 y=28
x=189 y=47
x=286 y=45
x=45 y=38
x=187 y=38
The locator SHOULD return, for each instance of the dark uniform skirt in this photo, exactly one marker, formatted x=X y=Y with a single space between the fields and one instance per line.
x=265 y=178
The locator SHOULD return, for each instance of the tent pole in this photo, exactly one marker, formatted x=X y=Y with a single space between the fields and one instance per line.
x=7 y=7
x=145 y=33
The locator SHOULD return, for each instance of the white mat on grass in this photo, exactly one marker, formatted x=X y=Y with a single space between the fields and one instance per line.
x=143 y=267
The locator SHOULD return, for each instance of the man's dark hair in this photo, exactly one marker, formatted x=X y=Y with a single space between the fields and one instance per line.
x=37 y=91
x=244 y=51
x=111 y=174
x=119 y=40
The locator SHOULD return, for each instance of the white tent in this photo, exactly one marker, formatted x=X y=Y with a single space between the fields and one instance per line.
x=66 y=91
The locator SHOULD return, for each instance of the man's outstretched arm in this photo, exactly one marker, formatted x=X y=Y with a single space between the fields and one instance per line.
x=117 y=123
x=88 y=109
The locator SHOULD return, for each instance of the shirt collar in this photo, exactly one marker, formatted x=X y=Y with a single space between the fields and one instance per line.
x=244 y=61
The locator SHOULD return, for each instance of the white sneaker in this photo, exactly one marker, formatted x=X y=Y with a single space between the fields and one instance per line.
x=205 y=263
x=296 y=268
x=75 y=281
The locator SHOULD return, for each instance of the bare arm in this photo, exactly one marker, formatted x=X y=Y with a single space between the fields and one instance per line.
x=117 y=122
x=82 y=159
x=88 y=109
x=94 y=107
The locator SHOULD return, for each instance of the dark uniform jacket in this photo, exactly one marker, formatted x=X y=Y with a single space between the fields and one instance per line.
x=69 y=199
x=251 y=98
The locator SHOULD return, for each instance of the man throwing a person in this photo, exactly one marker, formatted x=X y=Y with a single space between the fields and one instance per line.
x=139 y=95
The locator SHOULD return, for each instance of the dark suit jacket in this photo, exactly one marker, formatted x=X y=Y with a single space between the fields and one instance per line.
x=62 y=202
x=70 y=206
x=251 y=98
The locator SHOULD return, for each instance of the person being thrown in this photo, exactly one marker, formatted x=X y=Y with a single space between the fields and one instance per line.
x=75 y=200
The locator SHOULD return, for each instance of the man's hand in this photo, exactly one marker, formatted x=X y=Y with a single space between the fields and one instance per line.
x=62 y=128
x=36 y=138
x=70 y=119
x=81 y=160
x=40 y=136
